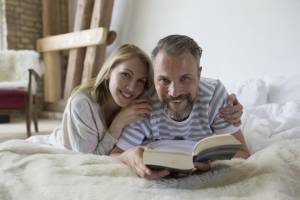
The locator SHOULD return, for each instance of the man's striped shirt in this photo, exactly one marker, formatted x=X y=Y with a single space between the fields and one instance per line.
x=203 y=121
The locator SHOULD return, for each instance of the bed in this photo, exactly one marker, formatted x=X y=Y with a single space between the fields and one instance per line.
x=271 y=125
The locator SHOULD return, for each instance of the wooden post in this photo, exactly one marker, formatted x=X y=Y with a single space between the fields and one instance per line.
x=76 y=56
x=89 y=37
x=64 y=10
x=52 y=80
x=95 y=55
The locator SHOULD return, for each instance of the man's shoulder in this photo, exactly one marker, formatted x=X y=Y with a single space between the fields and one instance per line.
x=208 y=86
x=210 y=82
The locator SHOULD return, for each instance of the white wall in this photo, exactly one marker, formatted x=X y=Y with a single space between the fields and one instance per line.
x=241 y=39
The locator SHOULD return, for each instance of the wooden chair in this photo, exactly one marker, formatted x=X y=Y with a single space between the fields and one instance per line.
x=22 y=91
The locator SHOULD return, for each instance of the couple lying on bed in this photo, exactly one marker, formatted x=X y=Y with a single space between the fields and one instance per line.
x=119 y=112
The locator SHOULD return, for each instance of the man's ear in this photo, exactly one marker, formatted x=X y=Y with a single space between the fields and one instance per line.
x=199 y=71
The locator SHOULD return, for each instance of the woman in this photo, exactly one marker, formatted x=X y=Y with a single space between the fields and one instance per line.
x=98 y=110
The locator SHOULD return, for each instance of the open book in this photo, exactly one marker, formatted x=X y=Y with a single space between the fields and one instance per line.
x=180 y=155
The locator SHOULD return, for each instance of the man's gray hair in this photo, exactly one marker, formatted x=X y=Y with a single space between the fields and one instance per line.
x=176 y=45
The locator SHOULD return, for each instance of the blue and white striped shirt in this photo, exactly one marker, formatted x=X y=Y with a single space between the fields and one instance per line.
x=203 y=121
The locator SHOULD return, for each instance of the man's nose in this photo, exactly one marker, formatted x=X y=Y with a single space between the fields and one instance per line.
x=174 y=90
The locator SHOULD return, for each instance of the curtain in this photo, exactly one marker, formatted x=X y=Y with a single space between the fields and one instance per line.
x=3 y=27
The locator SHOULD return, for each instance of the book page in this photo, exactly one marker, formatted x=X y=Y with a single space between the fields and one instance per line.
x=184 y=146
x=216 y=141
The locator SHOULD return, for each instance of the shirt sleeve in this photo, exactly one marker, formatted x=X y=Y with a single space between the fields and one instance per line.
x=134 y=135
x=219 y=100
x=86 y=130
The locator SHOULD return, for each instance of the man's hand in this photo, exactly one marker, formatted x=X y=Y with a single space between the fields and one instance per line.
x=134 y=159
x=243 y=152
x=202 y=166
x=232 y=113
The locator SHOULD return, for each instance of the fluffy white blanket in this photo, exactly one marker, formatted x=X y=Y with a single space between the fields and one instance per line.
x=31 y=171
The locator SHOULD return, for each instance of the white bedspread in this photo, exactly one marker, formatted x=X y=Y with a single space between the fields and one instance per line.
x=268 y=123
x=30 y=171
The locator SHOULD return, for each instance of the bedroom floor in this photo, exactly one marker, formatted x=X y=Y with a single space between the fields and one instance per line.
x=16 y=128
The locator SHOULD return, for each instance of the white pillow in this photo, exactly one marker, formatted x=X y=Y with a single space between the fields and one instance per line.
x=283 y=89
x=252 y=93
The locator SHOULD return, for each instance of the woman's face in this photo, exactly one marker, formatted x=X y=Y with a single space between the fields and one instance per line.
x=127 y=81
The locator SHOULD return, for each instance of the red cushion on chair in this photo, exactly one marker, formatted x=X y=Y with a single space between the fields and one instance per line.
x=13 y=98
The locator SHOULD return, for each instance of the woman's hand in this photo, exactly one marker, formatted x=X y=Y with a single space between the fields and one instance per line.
x=134 y=159
x=138 y=109
x=232 y=113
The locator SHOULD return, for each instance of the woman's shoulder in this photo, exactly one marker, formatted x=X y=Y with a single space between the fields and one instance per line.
x=81 y=99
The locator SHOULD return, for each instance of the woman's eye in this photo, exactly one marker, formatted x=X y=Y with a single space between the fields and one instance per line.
x=125 y=74
x=143 y=82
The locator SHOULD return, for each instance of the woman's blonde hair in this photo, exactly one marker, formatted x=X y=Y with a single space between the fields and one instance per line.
x=98 y=89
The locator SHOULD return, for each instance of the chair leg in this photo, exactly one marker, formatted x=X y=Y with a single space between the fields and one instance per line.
x=35 y=121
x=28 y=121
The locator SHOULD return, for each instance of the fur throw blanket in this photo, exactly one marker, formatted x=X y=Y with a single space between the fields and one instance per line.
x=31 y=171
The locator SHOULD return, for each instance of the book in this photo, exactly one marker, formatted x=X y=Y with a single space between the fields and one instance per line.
x=180 y=155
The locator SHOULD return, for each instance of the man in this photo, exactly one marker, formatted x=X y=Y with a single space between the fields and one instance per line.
x=185 y=106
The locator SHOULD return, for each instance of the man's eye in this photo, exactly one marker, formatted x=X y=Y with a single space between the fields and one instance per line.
x=164 y=81
x=183 y=79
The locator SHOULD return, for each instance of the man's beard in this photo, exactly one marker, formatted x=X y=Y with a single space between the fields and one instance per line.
x=178 y=116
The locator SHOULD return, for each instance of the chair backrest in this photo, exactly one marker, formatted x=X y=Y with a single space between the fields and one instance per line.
x=14 y=65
